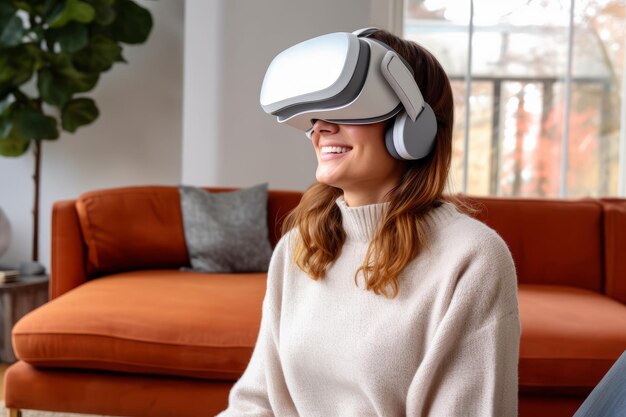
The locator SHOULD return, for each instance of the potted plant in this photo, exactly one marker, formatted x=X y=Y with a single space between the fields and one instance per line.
x=64 y=45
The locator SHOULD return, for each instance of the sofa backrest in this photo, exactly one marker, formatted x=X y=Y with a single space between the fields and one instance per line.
x=141 y=227
x=557 y=242
x=615 y=247
x=561 y=242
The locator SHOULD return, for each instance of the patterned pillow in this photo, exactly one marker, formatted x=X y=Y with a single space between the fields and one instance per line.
x=226 y=231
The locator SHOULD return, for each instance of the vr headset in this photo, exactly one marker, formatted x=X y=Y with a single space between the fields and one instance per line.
x=348 y=78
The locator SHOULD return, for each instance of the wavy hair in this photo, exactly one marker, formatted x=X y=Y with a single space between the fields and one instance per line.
x=401 y=235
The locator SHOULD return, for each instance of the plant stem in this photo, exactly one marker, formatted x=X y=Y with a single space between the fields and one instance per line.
x=36 y=202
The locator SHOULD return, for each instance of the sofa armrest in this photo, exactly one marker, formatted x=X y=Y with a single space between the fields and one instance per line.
x=68 y=269
x=615 y=248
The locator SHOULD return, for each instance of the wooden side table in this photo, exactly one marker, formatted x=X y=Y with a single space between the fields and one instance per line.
x=16 y=299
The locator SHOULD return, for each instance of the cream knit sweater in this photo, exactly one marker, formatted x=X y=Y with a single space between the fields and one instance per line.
x=446 y=346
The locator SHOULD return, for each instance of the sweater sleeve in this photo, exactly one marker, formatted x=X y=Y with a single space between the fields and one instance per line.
x=471 y=364
x=262 y=391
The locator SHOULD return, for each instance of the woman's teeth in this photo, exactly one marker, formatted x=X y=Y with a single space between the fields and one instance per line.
x=334 y=149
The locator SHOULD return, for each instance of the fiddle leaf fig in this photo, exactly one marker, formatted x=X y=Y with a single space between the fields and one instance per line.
x=133 y=22
x=71 y=79
x=54 y=90
x=32 y=123
x=12 y=30
x=16 y=67
x=78 y=112
x=14 y=146
x=12 y=141
x=24 y=5
x=99 y=55
x=71 y=37
x=76 y=10
x=5 y=127
x=7 y=9
x=105 y=13
x=65 y=45
x=7 y=14
x=5 y=105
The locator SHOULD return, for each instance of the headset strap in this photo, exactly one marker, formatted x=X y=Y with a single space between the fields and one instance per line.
x=365 y=32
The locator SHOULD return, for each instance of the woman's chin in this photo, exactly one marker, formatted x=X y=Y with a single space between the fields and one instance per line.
x=328 y=179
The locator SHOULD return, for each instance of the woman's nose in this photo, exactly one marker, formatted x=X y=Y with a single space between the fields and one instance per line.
x=324 y=127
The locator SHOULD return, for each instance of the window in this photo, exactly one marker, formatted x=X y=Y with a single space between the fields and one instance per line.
x=530 y=72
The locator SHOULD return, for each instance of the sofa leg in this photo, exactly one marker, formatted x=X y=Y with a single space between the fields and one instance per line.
x=12 y=412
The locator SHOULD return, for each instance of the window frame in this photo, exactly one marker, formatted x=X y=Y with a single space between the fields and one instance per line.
x=391 y=15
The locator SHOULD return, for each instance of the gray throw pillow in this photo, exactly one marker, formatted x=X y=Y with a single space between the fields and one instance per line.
x=226 y=231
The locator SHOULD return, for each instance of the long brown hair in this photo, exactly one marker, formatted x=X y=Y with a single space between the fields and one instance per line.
x=402 y=232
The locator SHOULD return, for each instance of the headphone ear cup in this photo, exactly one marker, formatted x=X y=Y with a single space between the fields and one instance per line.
x=389 y=138
x=410 y=140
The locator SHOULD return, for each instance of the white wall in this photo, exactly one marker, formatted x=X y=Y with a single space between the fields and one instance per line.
x=136 y=140
x=228 y=139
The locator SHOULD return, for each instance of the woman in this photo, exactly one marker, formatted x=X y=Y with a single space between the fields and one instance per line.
x=382 y=298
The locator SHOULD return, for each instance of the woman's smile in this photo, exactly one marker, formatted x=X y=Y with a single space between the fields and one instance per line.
x=328 y=153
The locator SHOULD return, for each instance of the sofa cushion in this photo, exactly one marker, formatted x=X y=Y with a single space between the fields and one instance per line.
x=156 y=322
x=206 y=326
x=555 y=242
x=226 y=232
x=132 y=228
x=570 y=338
x=135 y=228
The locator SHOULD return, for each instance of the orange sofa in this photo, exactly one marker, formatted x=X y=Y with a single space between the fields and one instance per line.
x=127 y=333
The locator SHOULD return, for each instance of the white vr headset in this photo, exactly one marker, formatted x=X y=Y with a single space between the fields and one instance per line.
x=347 y=78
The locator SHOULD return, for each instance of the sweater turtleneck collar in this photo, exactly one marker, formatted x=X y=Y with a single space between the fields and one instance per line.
x=360 y=222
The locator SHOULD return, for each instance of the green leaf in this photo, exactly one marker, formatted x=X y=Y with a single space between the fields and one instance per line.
x=24 y=6
x=105 y=13
x=79 y=81
x=120 y=58
x=53 y=89
x=16 y=68
x=5 y=127
x=76 y=10
x=14 y=146
x=99 y=56
x=6 y=107
x=5 y=104
x=6 y=8
x=71 y=37
x=38 y=31
x=33 y=124
x=12 y=31
x=57 y=83
x=12 y=143
x=37 y=55
x=51 y=9
x=5 y=89
x=132 y=24
x=78 y=112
